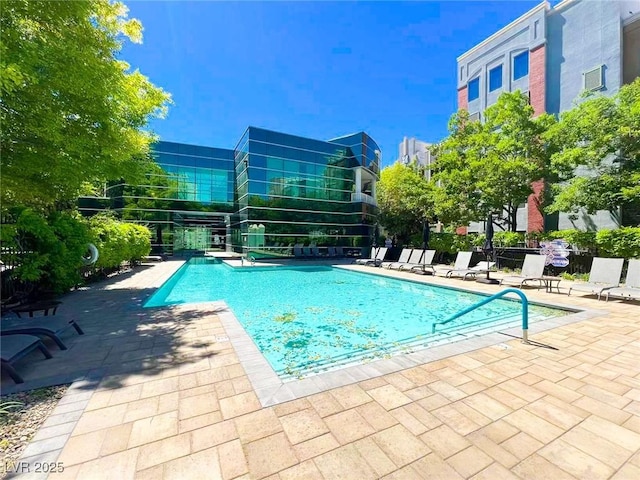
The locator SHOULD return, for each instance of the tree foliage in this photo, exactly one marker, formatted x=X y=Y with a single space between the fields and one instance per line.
x=405 y=199
x=48 y=250
x=489 y=166
x=600 y=140
x=71 y=111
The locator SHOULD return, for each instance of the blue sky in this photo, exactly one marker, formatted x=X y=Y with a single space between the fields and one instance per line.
x=316 y=69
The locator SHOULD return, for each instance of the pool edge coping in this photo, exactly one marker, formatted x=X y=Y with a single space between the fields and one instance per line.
x=272 y=390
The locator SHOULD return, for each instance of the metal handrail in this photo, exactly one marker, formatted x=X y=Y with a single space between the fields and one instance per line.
x=525 y=311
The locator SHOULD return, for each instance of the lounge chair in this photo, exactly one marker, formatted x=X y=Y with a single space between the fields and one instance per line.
x=14 y=347
x=297 y=250
x=404 y=258
x=532 y=270
x=372 y=257
x=631 y=289
x=50 y=327
x=425 y=263
x=605 y=274
x=376 y=262
x=472 y=272
x=414 y=259
x=463 y=259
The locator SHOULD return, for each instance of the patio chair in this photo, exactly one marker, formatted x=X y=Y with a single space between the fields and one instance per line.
x=463 y=259
x=631 y=289
x=425 y=263
x=297 y=250
x=376 y=262
x=472 y=272
x=414 y=259
x=404 y=258
x=315 y=250
x=372 y=257
x=50 y=327
x=15 y=347
x=532 y=270
x=605 y=274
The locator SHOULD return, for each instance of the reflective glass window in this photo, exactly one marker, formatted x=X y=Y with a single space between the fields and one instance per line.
x=521 y=65
x=473 y=89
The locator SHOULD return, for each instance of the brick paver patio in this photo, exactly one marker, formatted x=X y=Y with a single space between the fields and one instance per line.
x=161 y=394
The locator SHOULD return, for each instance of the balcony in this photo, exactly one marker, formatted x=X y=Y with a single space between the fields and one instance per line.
x=364 y=198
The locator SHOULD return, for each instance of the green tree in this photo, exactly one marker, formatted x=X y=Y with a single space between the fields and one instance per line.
x=72 y=112
x=404 y=199
x=490 y=166
x=600 y=140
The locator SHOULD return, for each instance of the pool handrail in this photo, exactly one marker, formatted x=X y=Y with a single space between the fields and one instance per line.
x=525 y=311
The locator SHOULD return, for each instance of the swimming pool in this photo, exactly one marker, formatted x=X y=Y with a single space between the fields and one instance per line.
x=310 y=318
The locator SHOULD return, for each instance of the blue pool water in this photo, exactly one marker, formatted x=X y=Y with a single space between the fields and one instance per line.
x=313 y=317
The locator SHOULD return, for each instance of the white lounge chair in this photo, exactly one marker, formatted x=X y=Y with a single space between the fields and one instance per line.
x=631 y=289
x=605 y=274
x=532 y=270
x=426 y=263
x=372 y=257
x=376 y=262
x=414 y=258
x=480 y=267
x=404 y=258
x=424 y=259
x=463 y=259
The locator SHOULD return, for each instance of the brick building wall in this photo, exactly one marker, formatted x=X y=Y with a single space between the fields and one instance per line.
x=537 y=75
x=462 y=98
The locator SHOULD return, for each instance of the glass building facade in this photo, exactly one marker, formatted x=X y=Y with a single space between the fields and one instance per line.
x=298 y=191
x=272 y=192
x=186 y=201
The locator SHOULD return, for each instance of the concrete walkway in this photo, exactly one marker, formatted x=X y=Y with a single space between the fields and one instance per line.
x=161 y=394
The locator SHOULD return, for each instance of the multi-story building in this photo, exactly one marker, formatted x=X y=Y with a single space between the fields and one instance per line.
x=272 y=191
x=411 y=149
x=553 y=55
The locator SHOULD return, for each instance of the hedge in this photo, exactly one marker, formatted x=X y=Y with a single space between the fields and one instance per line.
x=48 y=250
x=621 y=242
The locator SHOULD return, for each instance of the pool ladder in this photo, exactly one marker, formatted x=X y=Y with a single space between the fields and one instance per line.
x=525 y=311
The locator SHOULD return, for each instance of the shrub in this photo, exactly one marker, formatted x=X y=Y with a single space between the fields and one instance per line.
x=508 y=239
x=46 y=250
x=442 y=242
x=582 y=240
x=118 y=242
x=621 y=242
x=139 y=242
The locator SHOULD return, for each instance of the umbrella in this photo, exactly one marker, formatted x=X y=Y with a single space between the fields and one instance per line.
x=487 y=248
x=426 y=233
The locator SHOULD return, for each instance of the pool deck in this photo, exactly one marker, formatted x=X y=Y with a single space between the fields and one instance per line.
x=171 y=393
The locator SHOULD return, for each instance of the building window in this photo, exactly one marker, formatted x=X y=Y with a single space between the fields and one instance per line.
x=495 y=78
x=473 y=89
x=593 y=79
x=521 y=65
